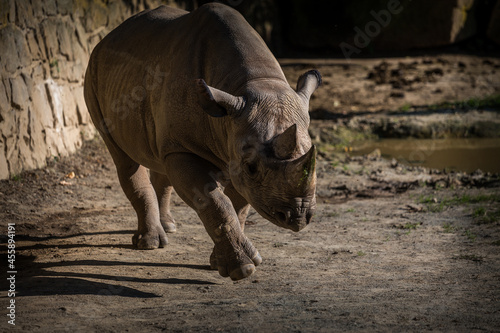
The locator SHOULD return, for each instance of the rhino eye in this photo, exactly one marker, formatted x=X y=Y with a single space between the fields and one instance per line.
x=251 y=169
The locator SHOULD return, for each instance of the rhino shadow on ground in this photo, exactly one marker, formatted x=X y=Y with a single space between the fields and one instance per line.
x=38 y=279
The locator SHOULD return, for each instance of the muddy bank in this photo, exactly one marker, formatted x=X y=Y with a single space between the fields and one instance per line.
x=421 y=124
x=367 y=85
x=426 y=97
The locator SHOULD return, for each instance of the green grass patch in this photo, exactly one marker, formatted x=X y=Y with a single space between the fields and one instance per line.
x=409 y=227
x=492 y=102
x=470 y=235
x=435 y=206
x=341 y=140
x=483 y=216
x=448 y=228
x=466 y=199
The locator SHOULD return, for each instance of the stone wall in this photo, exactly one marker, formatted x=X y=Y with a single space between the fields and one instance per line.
x=44 y=50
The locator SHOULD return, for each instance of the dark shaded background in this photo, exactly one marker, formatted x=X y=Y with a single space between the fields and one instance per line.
x=318 y=27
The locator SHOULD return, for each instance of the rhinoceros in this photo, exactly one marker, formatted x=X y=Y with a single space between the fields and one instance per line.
x=195 y=102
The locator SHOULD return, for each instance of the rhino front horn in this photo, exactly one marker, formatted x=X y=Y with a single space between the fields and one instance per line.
x=302 y=171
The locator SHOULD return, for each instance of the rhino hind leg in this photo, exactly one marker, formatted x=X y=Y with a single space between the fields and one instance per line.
x=136 y=185
x=163 y=191
x=133 y=177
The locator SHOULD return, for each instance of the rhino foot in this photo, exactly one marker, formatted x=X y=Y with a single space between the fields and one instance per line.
x=235 y=264
x=150 y=240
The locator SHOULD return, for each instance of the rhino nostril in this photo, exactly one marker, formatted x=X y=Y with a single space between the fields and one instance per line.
x=281 y=216
x=309 y=216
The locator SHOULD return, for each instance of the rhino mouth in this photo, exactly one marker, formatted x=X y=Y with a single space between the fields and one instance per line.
x=295 y=217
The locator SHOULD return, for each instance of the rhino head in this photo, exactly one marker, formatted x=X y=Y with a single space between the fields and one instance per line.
x=272 y=162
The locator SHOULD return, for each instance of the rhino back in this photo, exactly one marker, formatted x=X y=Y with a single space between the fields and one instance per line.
x=143 y=76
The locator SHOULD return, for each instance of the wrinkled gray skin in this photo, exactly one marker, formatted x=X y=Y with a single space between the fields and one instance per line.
x=199 y=100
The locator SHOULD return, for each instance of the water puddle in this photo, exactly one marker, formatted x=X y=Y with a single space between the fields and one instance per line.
x=453 y=154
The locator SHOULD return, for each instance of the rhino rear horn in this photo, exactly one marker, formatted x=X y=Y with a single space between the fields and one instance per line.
x=284 y=144
x=302 y=170
x=308 y=83
x=218 y=103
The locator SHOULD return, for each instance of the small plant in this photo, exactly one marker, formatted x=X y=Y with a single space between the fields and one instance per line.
x=350 y=210
x=406 y=107
x=448 y=228
x=471 y=257
x=422 y=183
x=361 y=254
x=411 y=226
x=470 y=235
x=439 y=186
x=479 y=212
x=16 y=178
x=426 y=199
x=55 y=63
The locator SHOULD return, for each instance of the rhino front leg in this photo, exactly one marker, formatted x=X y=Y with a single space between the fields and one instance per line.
x=241 y=207
x=163 y=190
x=240 y=204
x=191 y=177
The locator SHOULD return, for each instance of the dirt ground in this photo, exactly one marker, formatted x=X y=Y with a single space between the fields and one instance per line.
x=391 y=248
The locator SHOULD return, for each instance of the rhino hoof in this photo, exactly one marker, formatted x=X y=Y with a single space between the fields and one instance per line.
x=257 y=260
x=242 y=272
x=213 y=262
x=169 y=227
x=148 y=242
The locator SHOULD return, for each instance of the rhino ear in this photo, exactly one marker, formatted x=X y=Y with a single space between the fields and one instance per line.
x=218 y=103
x=308 y=83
